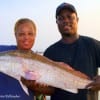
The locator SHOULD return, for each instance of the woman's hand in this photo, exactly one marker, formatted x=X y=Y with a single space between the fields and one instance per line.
x=37 y=87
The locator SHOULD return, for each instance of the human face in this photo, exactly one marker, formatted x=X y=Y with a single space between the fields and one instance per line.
x=67 y=23
x=25 y=36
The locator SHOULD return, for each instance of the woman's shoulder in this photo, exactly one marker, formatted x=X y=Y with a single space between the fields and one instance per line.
x=7 y=47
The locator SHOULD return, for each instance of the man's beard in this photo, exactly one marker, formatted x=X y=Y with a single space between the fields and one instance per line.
x=67 y=35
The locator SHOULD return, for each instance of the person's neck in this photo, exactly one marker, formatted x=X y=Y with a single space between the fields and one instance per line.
x=69 y=40
x=25 y=51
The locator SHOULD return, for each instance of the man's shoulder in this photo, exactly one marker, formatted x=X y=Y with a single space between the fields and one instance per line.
x=7 y=47
x=53 y=46
x=51 y=49
x=91 y=43
x=89 y=39
x=86 y=37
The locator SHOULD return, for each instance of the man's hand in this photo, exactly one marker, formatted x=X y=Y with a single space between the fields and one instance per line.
x=95 y=85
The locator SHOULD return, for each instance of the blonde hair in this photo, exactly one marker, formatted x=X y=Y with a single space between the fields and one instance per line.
x=22 y=21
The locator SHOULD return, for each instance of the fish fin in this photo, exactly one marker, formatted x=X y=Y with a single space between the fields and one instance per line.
x=24 y=88
x=72 y=90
